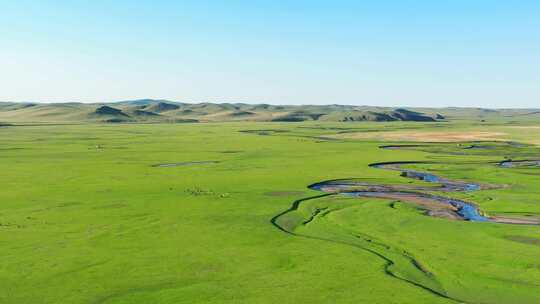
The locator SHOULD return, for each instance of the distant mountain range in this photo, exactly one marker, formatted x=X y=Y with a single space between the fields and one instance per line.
x=151 y=110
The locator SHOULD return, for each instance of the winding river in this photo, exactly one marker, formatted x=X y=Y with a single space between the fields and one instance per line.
x=434 y=204
x=433 y=196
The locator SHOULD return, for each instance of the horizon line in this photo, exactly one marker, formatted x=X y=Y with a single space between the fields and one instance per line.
x=262 y=103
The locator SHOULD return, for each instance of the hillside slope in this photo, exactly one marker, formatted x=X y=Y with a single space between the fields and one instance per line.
x=149 y=110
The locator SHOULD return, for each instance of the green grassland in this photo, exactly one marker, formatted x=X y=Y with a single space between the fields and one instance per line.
x=87 y=215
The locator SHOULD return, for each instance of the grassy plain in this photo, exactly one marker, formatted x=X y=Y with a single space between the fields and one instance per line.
x=87 y=217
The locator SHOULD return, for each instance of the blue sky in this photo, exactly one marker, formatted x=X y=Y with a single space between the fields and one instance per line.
x=392 y=53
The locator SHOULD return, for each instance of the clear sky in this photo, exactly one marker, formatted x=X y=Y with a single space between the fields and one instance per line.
x=393 y=53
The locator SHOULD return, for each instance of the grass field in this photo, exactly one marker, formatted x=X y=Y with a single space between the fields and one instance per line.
x=88 y=216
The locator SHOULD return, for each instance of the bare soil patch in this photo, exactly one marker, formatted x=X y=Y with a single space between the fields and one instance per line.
x=191 y=163
x=524 y=239
x=425 y=136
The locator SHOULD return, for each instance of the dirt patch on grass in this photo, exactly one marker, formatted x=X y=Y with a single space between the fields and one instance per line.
x=524 y=239
x=425 y=136
x=186 y=163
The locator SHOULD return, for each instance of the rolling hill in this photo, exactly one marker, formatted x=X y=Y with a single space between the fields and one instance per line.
x=150 y=110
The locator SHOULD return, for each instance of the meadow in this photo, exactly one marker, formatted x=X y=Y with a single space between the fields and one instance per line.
x=221 y=213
